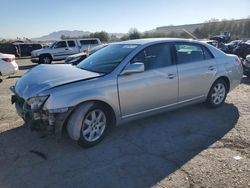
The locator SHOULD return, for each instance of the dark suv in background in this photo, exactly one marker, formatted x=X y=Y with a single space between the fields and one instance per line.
x=19 y=49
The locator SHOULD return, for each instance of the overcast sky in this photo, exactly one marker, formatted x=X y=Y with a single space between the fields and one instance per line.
x=34 y=18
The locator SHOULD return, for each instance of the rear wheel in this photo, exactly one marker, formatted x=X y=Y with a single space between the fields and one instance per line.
x=45 y=59
x=217 y=94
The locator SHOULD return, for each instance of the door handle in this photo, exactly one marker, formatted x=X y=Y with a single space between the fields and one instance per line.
x=171 y=76
x=211 y=68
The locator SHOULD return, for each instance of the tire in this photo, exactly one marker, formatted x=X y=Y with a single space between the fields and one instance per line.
x=93 y=124
x=217 y=94
x=45 y=59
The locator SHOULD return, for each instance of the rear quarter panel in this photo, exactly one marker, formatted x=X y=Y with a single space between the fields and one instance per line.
x=234 y=70
x=227 y=66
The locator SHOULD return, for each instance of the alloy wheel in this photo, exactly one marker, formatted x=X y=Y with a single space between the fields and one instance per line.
x=218 y=93
x=46 y=60
x=94 y=125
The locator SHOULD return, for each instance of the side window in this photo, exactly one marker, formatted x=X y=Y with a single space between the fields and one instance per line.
x=71 y=43
x=207 y=53
x=85 y=42
x=154 y=57
x=94 y=42
x=187 y=53
x=61 y=44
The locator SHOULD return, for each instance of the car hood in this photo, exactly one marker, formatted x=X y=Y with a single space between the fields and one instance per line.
x=45 y=77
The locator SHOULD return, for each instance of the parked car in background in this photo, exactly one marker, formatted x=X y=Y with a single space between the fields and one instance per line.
x=9 y=48
x=233 y=44
x=77 y=58
x=123 y=82
x=223 y=47
x=61 y=49
x=211 y=42
x=242 y=50
x=226 y=35
x=246 y=66
x=26 y=48
x=8 y=64
x=19 y=49
x=217 y=42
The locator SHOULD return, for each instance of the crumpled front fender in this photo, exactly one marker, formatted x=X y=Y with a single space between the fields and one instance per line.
x=74 y=124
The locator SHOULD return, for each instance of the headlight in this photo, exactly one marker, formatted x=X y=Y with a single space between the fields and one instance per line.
x=36 y=102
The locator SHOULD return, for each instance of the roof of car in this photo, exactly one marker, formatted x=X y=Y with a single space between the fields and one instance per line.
x=151 y=40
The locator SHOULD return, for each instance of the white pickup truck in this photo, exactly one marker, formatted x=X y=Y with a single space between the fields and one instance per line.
x=61 y=49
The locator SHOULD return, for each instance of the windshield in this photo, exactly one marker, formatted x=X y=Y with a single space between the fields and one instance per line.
x=106 y=59
x=52 y=45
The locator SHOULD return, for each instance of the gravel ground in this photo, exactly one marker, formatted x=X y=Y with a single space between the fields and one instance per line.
x=190 y=147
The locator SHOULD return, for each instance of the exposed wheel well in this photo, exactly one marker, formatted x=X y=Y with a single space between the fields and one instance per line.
x=45 y=55
x=226 y=80
x=109 y=110
x=104 y=104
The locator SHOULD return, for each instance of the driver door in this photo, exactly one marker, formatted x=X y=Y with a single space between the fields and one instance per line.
x=155 y=88
x=60 y=50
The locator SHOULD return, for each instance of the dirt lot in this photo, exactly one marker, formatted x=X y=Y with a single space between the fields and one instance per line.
x=189 y=147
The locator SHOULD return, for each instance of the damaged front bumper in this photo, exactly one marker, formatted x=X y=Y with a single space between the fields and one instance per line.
x=50 y=121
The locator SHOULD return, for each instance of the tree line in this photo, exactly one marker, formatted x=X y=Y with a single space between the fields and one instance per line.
x=103 y=36
x=237 y=28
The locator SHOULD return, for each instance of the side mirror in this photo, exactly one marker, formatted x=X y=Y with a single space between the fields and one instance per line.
x=133 y=68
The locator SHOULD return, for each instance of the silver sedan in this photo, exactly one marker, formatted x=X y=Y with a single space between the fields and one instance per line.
x=123 y=82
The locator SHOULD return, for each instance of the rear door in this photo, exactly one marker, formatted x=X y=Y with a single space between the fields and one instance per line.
x=196 y=69
x=155 y=88
x=72 y=47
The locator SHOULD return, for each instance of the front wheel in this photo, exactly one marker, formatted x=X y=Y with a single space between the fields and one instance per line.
x=217 y=94
x=93 y=124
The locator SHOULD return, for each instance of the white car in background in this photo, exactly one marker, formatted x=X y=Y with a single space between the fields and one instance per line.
x=8 y=64
x=61 y=49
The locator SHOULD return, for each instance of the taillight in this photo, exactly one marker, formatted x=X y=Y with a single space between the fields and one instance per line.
x=9 y=59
